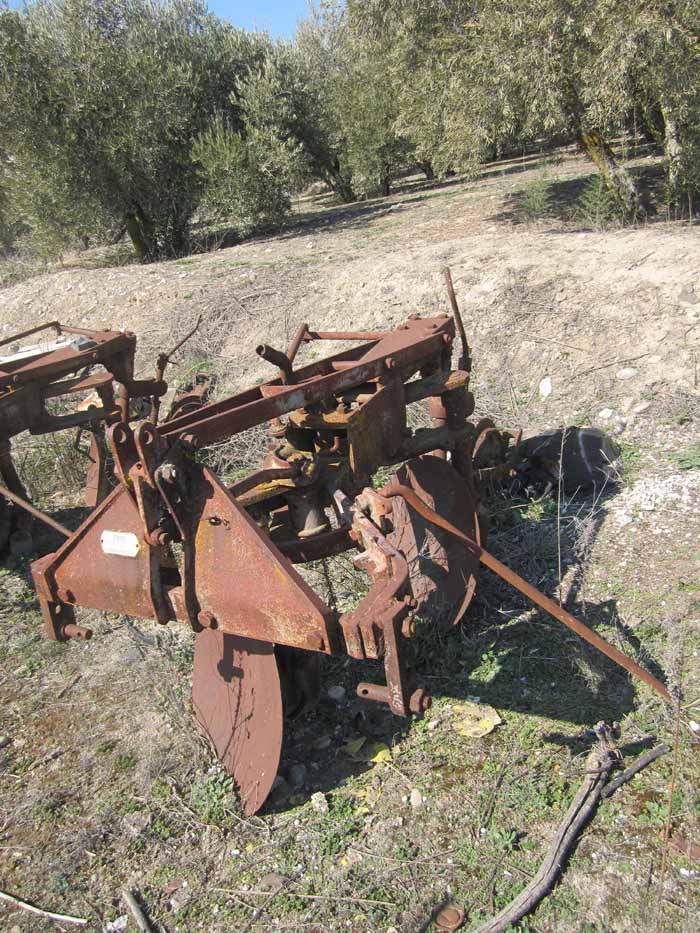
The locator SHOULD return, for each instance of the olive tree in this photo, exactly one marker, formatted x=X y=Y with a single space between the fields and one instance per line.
x=102 y=100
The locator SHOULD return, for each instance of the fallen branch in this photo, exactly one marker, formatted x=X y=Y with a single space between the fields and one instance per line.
x=599 y=765
x=135 y=911
x=30 y=908
x=635 y=768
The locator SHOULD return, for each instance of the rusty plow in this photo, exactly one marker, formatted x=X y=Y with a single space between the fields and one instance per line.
x=173 y=542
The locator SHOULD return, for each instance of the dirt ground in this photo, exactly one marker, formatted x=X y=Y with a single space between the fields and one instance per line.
x=103 y=782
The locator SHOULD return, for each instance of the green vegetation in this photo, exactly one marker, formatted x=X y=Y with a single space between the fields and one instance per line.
x=151 y=119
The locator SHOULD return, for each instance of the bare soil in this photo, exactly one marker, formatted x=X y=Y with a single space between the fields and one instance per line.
x=103 y=782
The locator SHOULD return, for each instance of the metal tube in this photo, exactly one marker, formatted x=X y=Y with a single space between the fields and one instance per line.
x=37 y=513
x=347 y=334
x=527 y=589
x=297 y=341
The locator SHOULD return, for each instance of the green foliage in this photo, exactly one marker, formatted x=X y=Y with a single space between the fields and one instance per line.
x=688 y=459
x=537 y=198
x=213 y=798
x=597 y=206
x=100 y=103
x=244 y=176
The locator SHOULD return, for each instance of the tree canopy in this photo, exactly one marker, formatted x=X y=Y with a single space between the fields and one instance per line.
x=146 y=115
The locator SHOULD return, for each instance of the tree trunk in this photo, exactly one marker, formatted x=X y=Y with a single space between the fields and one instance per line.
x=385 y=184
x=340 y=184
x=139 y=232
x=674 y=154
x=428 y=170
x=616 y=176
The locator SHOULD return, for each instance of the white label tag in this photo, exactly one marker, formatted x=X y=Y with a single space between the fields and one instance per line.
x=120 y=543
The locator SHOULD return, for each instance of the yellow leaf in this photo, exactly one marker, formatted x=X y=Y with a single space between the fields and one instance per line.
x=361 y=750
x=475 y=720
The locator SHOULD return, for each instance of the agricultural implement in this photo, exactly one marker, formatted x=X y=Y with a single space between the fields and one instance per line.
x=172 y=542
x=54 y=377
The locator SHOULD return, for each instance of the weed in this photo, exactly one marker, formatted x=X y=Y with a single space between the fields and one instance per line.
x=125 y=762
x=536 y=199
x=597 y=206
x=630 y=462
x=688 y=459
x=213 y=798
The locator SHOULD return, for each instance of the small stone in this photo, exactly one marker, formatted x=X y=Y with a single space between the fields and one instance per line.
x=641 y=407
x=114 y=926
x=416 y=799
x=4 y=740
x=322 y=743
x=605 y=414
x=695 y=726
x=627 y=373
x=545 y=387
x=297 y=776
x=135 y=823
x=272 y=882
x=688 y=295
x=433 y=724
x=336 y=693
x=319 y=802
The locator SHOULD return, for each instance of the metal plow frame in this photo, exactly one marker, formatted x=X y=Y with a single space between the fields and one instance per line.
x=173 y=543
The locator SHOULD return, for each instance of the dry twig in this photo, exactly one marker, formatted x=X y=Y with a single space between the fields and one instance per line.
x=49 y=915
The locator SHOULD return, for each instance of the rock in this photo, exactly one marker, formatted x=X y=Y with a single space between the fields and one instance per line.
x=641 y=407
x=115 y=926
x=688 y=295
x=433 y=724
x=272 y=882
x=605 y=414
x=416 y=799
x=134 y=823
x=545 y=387
x=180 y=898
x=628 y=372
x=297 y=776
x=319 y=802
x=4 y=740
x=322 y=743
x=336 y=693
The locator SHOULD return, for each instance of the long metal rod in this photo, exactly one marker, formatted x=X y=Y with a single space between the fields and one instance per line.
x=28 y=333
x=527 y=589
x=465 y=359
x=33 y=510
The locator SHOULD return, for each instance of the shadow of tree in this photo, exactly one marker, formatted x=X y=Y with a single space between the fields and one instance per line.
x=562 y=199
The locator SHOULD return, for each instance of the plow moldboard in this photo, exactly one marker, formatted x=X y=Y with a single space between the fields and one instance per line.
x=237 y=700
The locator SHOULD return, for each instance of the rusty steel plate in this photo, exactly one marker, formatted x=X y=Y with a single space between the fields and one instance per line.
x=237 y=700
x=442 y=572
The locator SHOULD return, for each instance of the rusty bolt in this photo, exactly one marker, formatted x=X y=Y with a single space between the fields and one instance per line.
x=66 y=596
x=390 y=362
x=408 y=627
x=447 y=338
x=207 y=619
x=168 y=473
x=190 y=440
x=163 y=538
x=76 y=631
x=450 y=918
x=420 y=701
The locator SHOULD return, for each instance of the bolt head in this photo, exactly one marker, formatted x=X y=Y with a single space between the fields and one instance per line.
x=207 y=619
